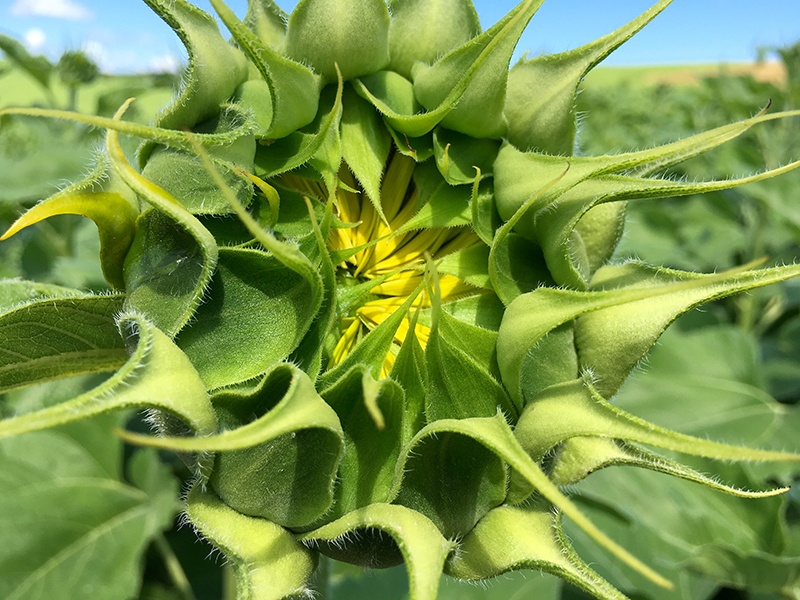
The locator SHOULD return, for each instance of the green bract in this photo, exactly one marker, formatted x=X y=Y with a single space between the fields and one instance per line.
x=366 y=290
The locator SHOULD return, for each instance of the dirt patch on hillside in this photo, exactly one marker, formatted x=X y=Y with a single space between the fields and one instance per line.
x=771 y=72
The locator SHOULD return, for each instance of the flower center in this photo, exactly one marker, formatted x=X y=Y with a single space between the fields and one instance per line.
x=389 y=260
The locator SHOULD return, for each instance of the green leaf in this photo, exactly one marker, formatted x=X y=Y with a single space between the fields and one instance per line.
x=253 y=297
x=281 y=434
x=462 y=159
x=267 y=20
x=443 y=205
x=352 y=35
x=293 y=88
x=157 y=375
x=424 y=30
x=580 y=456
x=69 y=530
x=475 y=75
x=647 y=307
x=299 y=147
x=269 y=563
x=18 y=291
x=174 y=241
x=546 y=121
x=576 y=409
x=214 y=71
x=621 y=351
x=452 y=480
x=114 y=216
x=417 y=540
x=181 y=174
x=372 y=414
x=461 y=381
x=496 y=436
x=54 y=338
x=365 y=145
x=511 y=538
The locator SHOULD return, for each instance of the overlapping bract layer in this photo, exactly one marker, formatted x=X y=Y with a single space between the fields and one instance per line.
x=269 y=201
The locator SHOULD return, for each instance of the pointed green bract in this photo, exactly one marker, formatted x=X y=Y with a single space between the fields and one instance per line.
x=484 y=63
x=546 y=121
x=254 y=547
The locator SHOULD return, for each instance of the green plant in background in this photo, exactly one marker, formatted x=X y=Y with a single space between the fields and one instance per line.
x=364 y=288
x=75 y=69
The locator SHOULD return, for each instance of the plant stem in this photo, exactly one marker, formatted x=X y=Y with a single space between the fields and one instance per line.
x=174 y=568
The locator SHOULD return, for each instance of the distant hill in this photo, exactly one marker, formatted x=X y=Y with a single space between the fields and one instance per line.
x=772 y=71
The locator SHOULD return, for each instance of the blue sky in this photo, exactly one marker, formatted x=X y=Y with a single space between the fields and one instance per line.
x=125 y=36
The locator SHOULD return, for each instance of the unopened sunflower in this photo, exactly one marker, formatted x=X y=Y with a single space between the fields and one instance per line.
x=366 y=290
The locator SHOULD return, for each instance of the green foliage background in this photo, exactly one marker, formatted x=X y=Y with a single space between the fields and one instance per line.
x=739 y=365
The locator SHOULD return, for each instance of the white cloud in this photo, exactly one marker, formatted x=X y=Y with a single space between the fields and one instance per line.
x=58 y=9
x=97 y=52
x=166 y=63
x=35 y=39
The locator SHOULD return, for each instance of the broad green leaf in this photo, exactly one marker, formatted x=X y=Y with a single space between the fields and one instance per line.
x=299 y=147
x=511 y=538
x=309 y=354
x=70 y=531
x=461 y=380
x=470 y=265
x=252 y=297
x=281 y=434
x=443 y=205
x=623 y=348
x=164 y=272
x=424 y=30
x=114 y=216
x=293 y=88
x=463 y=76
x=569 y=257
x=269 y=563
x=546 y=121
x=409 y=371
x=54 y=338
x=691 y=528
x=452 y=480
x=518 y=176
x=14 y=292
x=417 y=541
x=157 y=375
x=351 y=35
x=181 y=174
